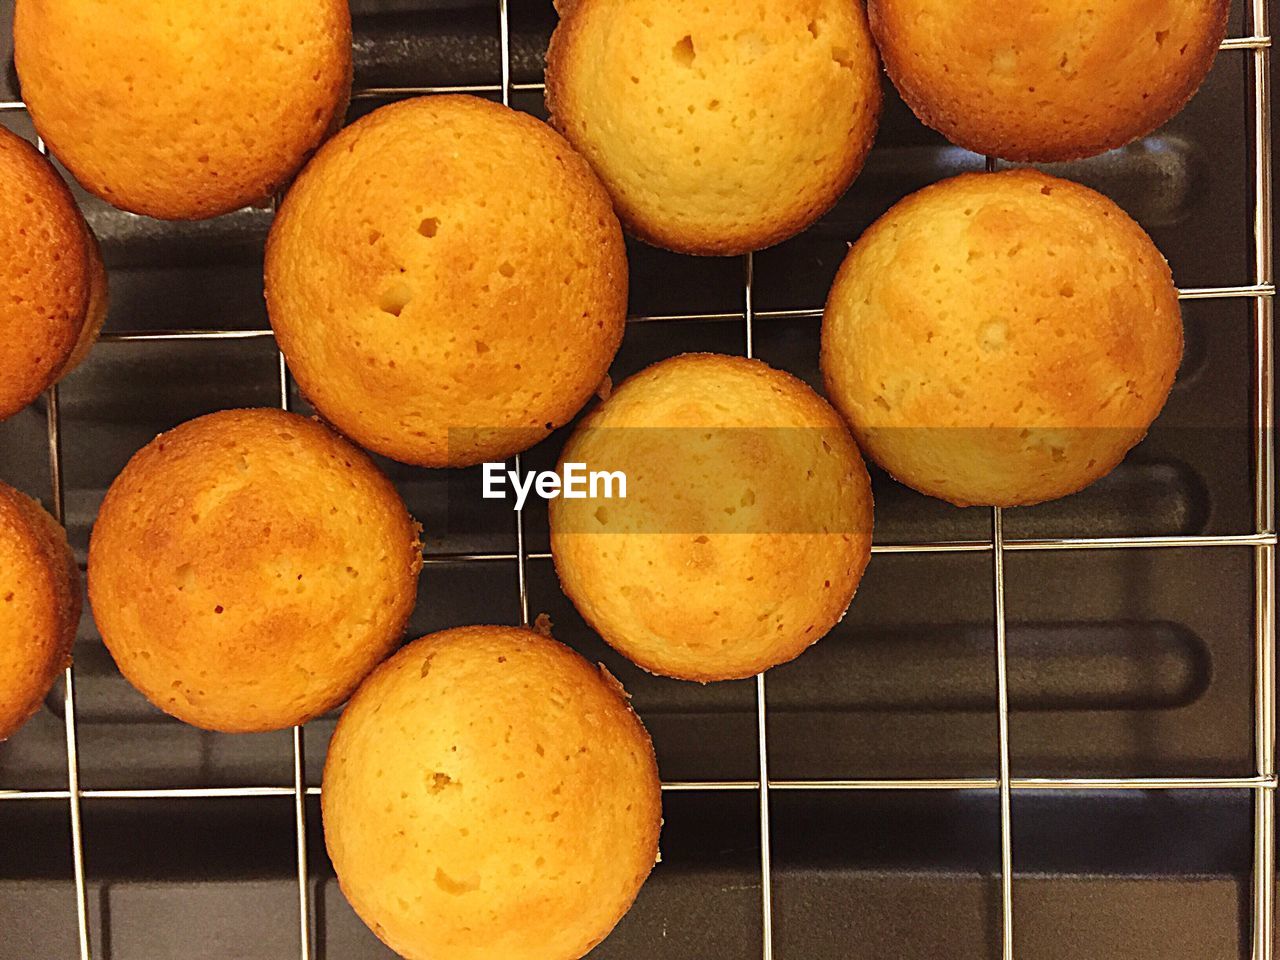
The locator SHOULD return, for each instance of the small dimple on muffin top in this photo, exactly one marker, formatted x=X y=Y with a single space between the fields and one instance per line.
x=249 y=568
x=746 y=526
x=183 y=110
x=1001 y=339
x=1052 y=82
x=504 y=771
x=448 y=281
x=717 y=128
x=40 y=600
x=52 y=286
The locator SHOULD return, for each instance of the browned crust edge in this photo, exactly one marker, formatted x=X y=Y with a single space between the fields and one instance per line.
x=710 y=242
x=1024 y=152
x=49 y=542
x=94 y=301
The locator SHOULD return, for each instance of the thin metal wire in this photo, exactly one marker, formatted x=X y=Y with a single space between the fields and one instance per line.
x=1004 y=780
x=766 y=842
x=384 y=93
x=1227 y=293
x=54 y=416
x=1264 y=869
x=522 y=579
x=762 y=717
x=962 y=546
x=1127 y=543
x=36 y=794
x=168 y=336
x=53 y=421
x=299 y=753
x=1237 y=292
x=1037 y=784
x=956 y=784
x=300 y=838
x=1264 y=495
x=1243 y=292
x=1264 y=454
x=190 y=793
x=1198 y=542
x=1002 y=709
x=1259 y=41
x=504 y=37
x=1043 y=544
x=1254 y=42
x=1265 y=631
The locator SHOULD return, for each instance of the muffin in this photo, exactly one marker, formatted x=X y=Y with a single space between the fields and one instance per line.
x=489 y=793
x=39 y=606
x=52 y=275
x=1053 y=81
x=181 y=110
x=1001 y=339
x=718 y=128
x=249 y=568
x=745 y=528
x=447 y=281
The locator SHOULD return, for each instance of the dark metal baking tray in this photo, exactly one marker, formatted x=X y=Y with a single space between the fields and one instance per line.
x=1123 y=663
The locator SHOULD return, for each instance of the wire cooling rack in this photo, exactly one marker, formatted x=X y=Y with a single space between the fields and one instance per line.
x=1262 y=784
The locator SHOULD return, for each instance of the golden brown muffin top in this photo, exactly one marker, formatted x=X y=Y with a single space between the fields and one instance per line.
x=1000 y=309
x=745 y=530
x=47 y=267
x=1008 y=299
x=447 y=280
x=1050 y=81
x=718 y=128
x=688 y=429
x=248 y=568
x=517 y=786
x=183 y=110
x=40 y=602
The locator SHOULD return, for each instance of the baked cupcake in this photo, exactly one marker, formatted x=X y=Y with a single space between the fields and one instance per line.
x=1001 y=339
x=182 y=110
x=489 y=793
x=249 y=568
x=39 y=606
x=55 y=288
x=447 y=281
x=718 y=128
x=745 y=527
x=1049 y=81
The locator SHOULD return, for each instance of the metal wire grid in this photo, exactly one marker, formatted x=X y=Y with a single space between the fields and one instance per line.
x=1262 y=542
